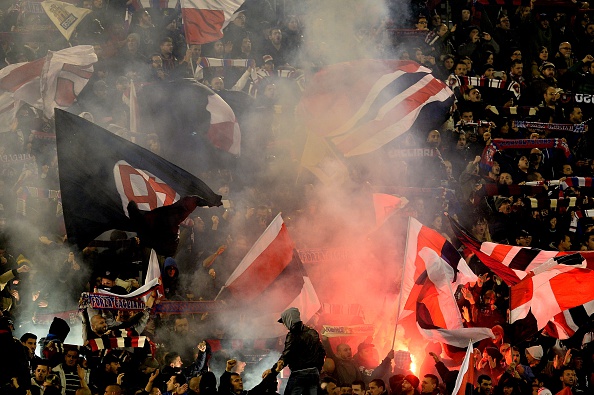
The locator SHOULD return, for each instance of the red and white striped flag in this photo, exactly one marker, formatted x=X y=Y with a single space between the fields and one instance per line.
x=385 y=205
x=513 y=263
x=154 y=272
x=420 y=237
x=546 y=293
x=204 y=20
x=362 y=105
x=432 y=271
x=465 y=379
x=50 y=82
x=134 y=113
x=270 y=279
x=224 y=132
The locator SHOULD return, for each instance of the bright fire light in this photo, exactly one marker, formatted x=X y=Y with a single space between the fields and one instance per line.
x=413 y=365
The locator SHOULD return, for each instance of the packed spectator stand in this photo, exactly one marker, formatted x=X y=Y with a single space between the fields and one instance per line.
x=512 y=163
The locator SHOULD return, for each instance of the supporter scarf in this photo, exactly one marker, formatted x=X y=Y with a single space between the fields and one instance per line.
x=412 y=153
x=501 y=144
x=24 y=193
x=125 y=338
x=44 y=319
x=102 y=301
x=321 y=255
x=516 y=110
x=191 y=307
x=513 y=190
x=444 y=193
x=43 y=135
x=577 y=182
x=455 y=81
x=565 y=127
x=261 y=75
x=585 y=213
x=553 y=204
x=408 y=32
x=16 y=159
x=349 y=330
x=214 y=62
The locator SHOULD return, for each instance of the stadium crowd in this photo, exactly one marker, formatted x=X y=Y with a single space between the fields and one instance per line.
x=513 y=163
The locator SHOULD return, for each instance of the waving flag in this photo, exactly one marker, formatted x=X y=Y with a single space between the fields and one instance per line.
x=189 y=118
x=204 y=20
x=385 y=205
x=103 y=177
x=432 y=271
x=50 y=82
x=65 y=16
x=362 y=105
x=512 y=264
x=551 y=291
x=271 y=278
x=466 y=375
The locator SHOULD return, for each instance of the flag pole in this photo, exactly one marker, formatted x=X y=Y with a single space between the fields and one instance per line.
x=401 y=284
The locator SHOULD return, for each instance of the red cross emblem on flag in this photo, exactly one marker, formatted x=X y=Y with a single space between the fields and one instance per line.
x=148 y=191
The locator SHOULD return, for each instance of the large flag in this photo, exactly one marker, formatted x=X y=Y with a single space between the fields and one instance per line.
x=320 y=159
x=53 y=81
x=362 y=105
x=549 y=291
x=271 y=278
x=189 y=117
x=110 y=183
x=511 y=263
x=385 y=205
x=507 y=262
x=65 y=16
x=204 y=20
x=432 y=271
x=65 y=73
x=466 y=376
x=154 y=272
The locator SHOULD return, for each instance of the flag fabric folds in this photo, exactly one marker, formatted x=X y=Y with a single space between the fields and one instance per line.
x=189 y=118
x=53 y=81
x=204 y=20
x=65 y=16
x=512 y=264
x=153 y=272
x=65 y=74
x=550 y=292
x=270 y=279
x=362 y=105
x=433 y=270
x=466 y=375
x=101 y=174
x=385 y=205
x=320 y=159
x=415 y=266
x=264 y=262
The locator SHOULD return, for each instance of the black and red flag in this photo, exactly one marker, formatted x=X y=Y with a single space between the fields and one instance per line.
x=109 y=183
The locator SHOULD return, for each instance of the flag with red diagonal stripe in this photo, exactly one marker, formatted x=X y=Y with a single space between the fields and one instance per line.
x=189 y=118
x=466 y=376
x=362 y=105
x=550 y=291
x=101 y=175
x=513 y=263
x=53 y=81
x=270 y=279
x=385 y=205
x=432 y=271
x=65 y=73
x=204 y=20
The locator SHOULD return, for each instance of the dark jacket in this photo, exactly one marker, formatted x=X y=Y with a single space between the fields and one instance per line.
x=303 y=348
